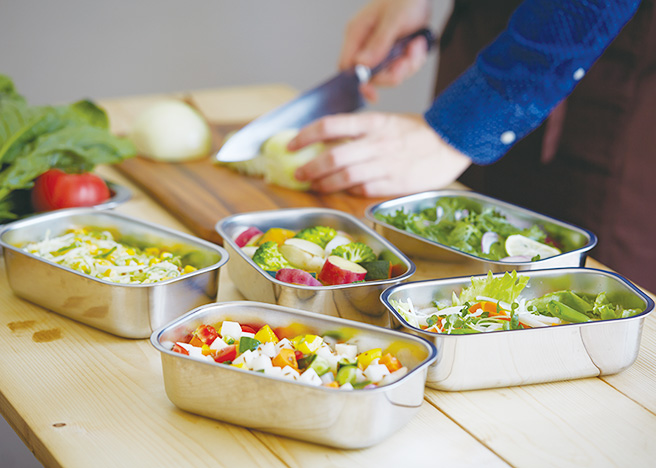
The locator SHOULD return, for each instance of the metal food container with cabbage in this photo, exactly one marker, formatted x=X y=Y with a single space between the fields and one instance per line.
x=127 y=310
x=415 y=246
x=329 y=416
x=532 y=355
x=355 y=301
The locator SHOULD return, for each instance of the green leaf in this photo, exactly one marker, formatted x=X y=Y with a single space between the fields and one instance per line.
x=503 y=288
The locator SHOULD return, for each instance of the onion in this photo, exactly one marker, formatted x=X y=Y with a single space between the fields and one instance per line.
x=487 y=240
x=171 y=131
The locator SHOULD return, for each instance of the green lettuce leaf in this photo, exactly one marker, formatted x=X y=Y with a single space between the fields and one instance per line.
x=504 y=288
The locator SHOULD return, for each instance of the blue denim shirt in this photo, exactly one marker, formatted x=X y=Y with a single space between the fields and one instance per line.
x=524 y=73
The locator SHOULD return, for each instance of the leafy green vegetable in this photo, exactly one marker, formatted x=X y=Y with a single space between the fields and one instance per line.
x=503 y=288
x=320 y=235
x=268 y=257
x=73 y=138
x=460 y=223
x=355 y=251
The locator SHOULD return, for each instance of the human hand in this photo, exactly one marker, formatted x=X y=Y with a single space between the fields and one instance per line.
x=371 y=33
x=378 y=154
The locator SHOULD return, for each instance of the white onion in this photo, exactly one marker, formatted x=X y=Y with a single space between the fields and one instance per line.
x=171 y=131
x=487 y=240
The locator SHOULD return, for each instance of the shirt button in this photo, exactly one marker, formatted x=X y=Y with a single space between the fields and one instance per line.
x=578 y=74
x=508 y=137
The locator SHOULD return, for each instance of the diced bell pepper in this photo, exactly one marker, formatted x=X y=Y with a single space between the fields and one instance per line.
x=364 y=359
x=266 y=335
x=285 y=357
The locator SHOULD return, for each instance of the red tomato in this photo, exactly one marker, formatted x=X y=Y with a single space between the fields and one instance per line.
x=229 y=353
x=248 y=329
x=179 y=349
x=56 y=189
x=206 y=333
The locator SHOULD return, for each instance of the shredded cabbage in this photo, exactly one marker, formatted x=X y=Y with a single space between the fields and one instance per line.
x=97 y=254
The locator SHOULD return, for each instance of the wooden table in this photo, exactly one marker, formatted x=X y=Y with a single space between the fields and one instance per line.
x=79 y=397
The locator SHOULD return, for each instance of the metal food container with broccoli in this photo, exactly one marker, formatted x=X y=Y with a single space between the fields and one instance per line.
x=110 y=271
x=483 y=233
x=315 y=259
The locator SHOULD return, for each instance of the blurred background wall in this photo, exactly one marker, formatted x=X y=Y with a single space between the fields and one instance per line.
x=71 y=49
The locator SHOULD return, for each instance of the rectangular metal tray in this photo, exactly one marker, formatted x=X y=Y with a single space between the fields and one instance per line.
x=127 y=310
x=416 y=246
x=534 y=355
x=329 y=416
x=358 y=301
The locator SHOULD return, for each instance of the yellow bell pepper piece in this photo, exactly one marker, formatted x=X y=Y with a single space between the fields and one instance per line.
x=309 y=344
x=277 y=235
x=188 y=269
x=364 y=359
x=266 y=335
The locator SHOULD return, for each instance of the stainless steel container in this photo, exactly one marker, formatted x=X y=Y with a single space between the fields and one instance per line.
x=535 y=355
x=127 y=310
x=329 y=416
x=416 y=246
x=358 y=301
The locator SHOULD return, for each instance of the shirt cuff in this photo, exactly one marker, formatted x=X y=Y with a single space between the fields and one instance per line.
x=472 y=116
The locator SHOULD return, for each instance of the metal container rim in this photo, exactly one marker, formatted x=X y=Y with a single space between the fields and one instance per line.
x=44 y=217
x=371 y=209
x=411 y=268
x=384 y=297
x=154 y=341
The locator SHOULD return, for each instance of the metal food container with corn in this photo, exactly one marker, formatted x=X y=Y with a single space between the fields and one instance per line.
x=127 y=310
x=356 y=301
x=329 y=416
x=416 y=246
x=532 y=355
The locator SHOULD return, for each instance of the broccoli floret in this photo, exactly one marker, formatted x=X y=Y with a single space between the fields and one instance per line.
x=268 y=257
x=355 y=251
x=320 y=235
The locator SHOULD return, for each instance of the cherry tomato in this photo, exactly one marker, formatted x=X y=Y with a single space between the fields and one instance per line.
x=179 y=349
x=206 y=333
x=229 y=353
x=56 y=189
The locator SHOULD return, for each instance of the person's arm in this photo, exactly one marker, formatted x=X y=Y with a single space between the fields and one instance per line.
x=517 y=80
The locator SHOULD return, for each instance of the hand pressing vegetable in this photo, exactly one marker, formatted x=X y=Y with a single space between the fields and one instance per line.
x=33 y=140
x=277 y=164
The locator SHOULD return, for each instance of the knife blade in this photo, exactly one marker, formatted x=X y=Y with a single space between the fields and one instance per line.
x=339 y=94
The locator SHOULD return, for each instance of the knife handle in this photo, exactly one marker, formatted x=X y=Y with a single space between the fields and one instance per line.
x=399 y=47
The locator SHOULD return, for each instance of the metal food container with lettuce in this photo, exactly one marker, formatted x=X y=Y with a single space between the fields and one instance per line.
x=330 y=416
x=127 y=310
x=356 y=301
x=474 y=230
x=513 y=355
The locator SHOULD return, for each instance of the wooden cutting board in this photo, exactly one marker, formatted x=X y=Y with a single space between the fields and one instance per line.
x=200 y=193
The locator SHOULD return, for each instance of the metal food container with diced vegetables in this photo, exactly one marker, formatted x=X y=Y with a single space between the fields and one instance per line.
x=580 y=241
x=127 y=310
x=356 y=301
x=330 y=416
x=532 y=355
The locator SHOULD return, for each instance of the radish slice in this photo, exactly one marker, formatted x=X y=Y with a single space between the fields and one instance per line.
x=487 y=240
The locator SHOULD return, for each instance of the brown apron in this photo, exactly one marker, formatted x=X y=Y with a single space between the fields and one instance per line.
x=593 y=163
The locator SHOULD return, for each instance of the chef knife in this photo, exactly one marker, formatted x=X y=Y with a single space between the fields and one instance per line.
x=337 y=95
